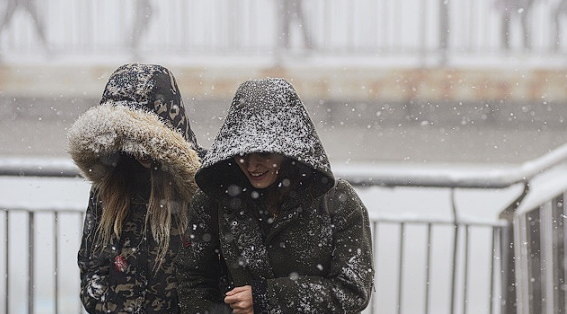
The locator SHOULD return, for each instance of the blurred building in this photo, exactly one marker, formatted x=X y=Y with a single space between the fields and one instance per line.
x=377 y=64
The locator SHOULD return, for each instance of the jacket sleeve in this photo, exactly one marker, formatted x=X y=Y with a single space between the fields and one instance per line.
x=197 y=263
x=94 y=266
x=348 y=286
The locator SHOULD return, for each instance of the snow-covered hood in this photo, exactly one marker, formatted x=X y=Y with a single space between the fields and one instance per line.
x=141 y=114
x=265 y=116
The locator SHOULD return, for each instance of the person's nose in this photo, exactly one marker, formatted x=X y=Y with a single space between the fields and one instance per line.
x=253 y=162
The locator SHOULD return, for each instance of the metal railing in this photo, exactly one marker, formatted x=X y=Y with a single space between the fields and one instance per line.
x=406 y=230
x=38 y=268
x=423 y=31
x=531 y=237
x=525 y=250
x=414 y=292
x=541 y=263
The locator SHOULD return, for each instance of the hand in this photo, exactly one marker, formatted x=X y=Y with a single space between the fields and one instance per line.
x=240 y=300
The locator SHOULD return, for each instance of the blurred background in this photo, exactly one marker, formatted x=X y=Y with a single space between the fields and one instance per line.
x=445 y=114
x=412 y=80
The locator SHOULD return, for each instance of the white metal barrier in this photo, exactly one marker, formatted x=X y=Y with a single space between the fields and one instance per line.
x=416 y=257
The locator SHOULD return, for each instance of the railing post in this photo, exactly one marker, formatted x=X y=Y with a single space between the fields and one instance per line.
x=401 y=269
x=495 y=239
x=31 y=260
x=559 y=254
x=56 y=260
x=455 y=253
x=428 y=270
x=508 y=260
x=7 y=263
x=508 y=266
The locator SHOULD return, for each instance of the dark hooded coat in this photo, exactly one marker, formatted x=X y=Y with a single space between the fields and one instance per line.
x=141 y=114
x=316 y=255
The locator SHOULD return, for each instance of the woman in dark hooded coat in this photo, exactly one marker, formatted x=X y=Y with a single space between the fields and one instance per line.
x=271 y=223
x=138 y=150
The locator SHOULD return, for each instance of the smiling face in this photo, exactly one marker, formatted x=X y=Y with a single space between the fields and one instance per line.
x=261 y=169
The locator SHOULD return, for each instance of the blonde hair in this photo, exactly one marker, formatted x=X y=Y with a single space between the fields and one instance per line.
x=165 y=209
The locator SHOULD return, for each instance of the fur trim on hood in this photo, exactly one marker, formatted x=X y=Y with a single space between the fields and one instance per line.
x=137 y=121
x=105 y=130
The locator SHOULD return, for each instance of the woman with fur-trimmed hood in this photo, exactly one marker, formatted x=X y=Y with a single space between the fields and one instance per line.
x=139 y=152
x=291 y=238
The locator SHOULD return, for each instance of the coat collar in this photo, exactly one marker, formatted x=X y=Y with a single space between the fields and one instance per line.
x=243 y=249
x=239 y=227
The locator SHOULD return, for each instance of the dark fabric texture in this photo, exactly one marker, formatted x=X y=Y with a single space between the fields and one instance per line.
x=314 y=257
x=260 y=295
x=137 y=289
x=151 y=88
x=140 y=115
